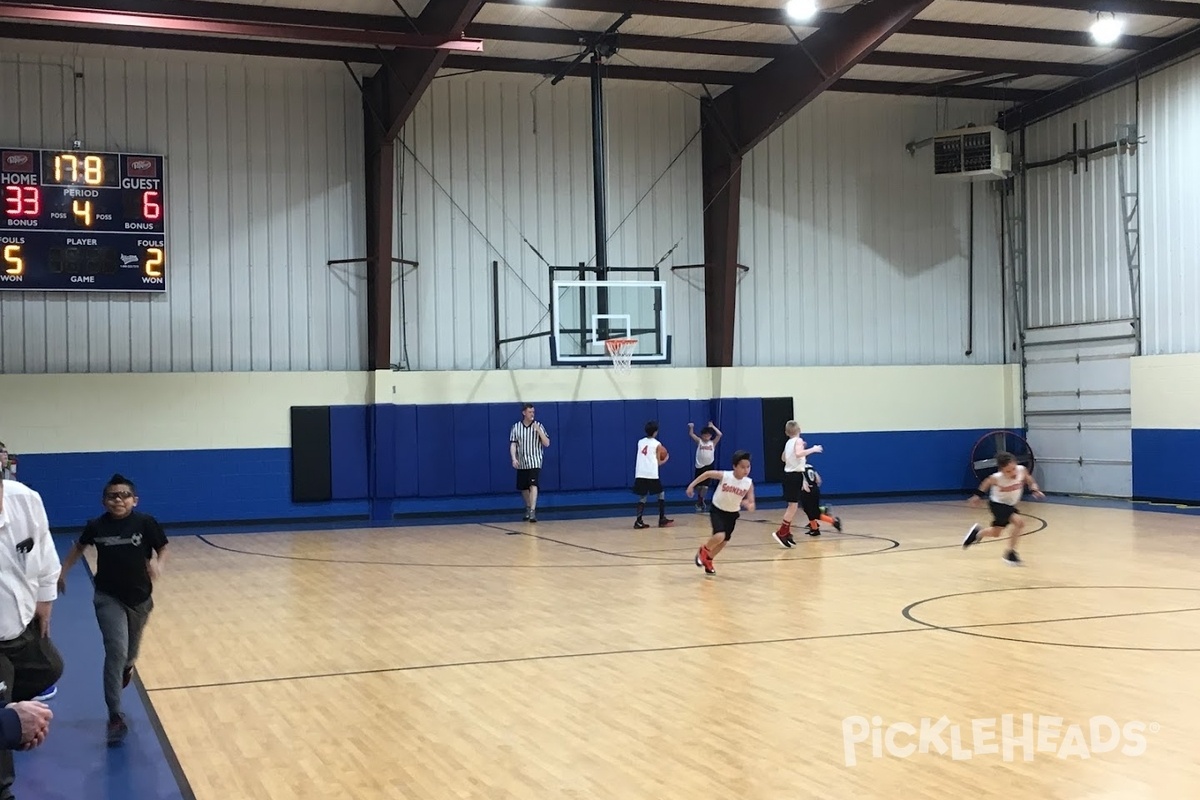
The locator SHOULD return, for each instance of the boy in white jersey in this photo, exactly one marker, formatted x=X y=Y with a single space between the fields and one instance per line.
x=734 y=492
x=797 y=489
x=706 y=452
x=1003 y=489
x=650 y=454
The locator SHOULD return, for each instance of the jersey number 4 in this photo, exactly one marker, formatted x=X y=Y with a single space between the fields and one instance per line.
x=646 y=450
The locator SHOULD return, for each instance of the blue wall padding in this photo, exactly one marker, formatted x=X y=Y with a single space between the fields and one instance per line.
x=408 y=463
x=895 y=461
x=501 y=475
x=673 y=417
x=1162 y=464
x=446 y=457
x=434 y=456
x=178 y=485
x=612 y=449
x=348 y=452
x=469 y=438
x=573 y=440
x=381 y=419
x=547 y=414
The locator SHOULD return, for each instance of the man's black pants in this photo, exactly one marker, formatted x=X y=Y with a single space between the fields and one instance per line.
x=29 y=665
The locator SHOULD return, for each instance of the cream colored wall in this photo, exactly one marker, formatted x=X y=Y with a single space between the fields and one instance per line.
x=177 y=411
x=1166 y=391
x=163 y=411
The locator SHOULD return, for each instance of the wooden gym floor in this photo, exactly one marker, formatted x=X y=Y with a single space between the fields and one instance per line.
x=583 y=659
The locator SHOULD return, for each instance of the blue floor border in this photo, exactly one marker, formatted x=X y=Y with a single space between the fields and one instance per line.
x=75 y=763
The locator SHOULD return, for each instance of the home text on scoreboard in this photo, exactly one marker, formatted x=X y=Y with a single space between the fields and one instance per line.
x=81 y=221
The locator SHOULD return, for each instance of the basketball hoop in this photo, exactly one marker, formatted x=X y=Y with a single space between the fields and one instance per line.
x=621 y=353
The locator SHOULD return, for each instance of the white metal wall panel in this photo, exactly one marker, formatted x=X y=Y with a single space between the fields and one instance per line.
x=494 y=166
x=857 y=253
x=264 y=186
x=1077 y=270
x=1077 y=407
x=1170 y=167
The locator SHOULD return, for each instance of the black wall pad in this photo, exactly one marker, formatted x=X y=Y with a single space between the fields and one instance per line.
x=776 y=411
x=312 y=472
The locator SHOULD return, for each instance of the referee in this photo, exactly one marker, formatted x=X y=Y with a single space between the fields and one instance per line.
x=525 y=445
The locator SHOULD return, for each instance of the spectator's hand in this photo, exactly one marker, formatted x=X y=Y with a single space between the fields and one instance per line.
x=42 y=615
x=35 y=722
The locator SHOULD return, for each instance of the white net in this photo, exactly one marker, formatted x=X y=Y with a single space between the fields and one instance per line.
x=621 y=352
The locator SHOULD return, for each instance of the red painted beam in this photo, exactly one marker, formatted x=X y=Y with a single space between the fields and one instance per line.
x=749 y=112
x=755 y=107
x=169 y=23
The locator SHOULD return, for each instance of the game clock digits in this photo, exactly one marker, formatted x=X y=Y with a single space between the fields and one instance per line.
x=78 y=221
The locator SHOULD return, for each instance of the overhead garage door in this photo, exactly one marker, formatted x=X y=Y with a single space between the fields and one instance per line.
x=1077 y=407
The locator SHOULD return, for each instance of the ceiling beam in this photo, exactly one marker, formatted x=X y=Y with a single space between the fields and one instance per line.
x=754 y=107
x=1149 y=8
x=159 y=22
x=681 y=9
x=1177 y=49
x=407 y=73
x=191 y=43
x=240 y=12
x=770 y=50
x=531 y=66
x=535 y=66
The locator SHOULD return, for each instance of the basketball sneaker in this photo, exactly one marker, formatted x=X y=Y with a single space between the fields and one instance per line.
x=784 y=539
x=663 y=522
x=703 y=559
x=837 y=524
x=640 y=524
x=1012 y=559
x=116 y=730
x=972 y=536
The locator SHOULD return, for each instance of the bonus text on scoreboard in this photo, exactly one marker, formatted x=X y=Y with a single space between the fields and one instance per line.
x=81 y=221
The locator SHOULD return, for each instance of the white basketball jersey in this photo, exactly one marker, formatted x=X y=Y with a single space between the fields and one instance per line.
x=705 y=453
x=791 y=461
x=731 y=492
x=1008 y=491
x=647 y=458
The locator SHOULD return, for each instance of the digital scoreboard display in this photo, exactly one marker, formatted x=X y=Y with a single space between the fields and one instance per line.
x=79 y=221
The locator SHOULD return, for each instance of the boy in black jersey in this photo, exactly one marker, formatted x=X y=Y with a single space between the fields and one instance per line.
x=130 y=552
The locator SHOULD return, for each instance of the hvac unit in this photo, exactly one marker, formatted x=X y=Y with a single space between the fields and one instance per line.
x=973 y=154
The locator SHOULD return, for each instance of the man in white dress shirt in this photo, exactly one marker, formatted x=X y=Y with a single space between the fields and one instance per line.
x=29 y=568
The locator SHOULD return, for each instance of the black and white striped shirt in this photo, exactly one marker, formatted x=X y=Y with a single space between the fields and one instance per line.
x=529 y=445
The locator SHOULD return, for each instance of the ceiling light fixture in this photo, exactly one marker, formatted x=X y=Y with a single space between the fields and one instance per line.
x=1107 y=28
x=801 y=10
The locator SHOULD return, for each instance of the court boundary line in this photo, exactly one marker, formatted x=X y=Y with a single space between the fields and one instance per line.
x=896 y=547
x=968 y=630
x=182 y=783
x=921 y=628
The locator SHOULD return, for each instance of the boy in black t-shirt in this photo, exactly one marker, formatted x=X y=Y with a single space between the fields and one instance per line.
x=130 y=551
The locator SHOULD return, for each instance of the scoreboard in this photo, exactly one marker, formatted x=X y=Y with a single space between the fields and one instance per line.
x=80 y=221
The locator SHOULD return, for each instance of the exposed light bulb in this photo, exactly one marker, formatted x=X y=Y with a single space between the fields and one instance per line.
x=801 y=10
x=1107 y=28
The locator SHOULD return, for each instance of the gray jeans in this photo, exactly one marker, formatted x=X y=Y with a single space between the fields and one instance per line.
x=121 y=626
